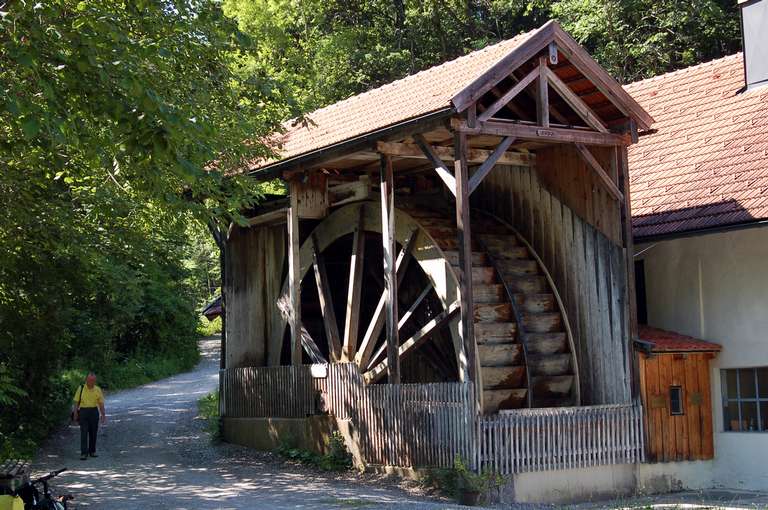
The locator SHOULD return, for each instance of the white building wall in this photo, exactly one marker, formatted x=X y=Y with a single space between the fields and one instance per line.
x=715 y=287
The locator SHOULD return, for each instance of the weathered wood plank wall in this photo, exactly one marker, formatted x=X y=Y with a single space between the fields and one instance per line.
x=254 y=272
x=584 y=258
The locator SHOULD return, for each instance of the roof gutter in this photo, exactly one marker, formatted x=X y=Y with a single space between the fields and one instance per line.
x=403 y=128
x=702 y=231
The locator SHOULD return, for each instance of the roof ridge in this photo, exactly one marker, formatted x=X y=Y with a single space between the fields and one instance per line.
x=684 y=70
x=473 y=53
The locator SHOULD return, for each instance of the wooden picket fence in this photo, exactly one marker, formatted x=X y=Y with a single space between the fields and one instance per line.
x=396 y=424
x=429 y=425
x=560 y=438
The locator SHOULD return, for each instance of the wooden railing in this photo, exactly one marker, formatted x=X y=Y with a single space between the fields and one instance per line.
x=560 y=438
x=431 y=424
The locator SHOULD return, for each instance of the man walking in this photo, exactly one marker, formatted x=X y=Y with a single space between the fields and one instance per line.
x=89 y=403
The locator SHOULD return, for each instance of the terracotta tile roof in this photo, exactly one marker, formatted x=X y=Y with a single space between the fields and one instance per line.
x=668 y=341
x=416 y=95
x=706 y=162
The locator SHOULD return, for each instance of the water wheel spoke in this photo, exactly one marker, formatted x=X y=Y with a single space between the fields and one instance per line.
x=415 y=341
x=326 y=303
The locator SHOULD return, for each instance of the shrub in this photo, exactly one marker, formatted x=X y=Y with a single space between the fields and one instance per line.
x=208 y=409
x=208 y=328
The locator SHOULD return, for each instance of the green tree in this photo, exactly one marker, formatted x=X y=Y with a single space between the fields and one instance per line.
x=119 y=122
x=326 y=51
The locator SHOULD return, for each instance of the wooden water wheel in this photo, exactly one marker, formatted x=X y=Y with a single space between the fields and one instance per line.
x=525 y=356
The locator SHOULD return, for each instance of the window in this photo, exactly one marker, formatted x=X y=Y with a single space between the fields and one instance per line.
x=640 y=296
x=676 y=400
x=745 y=399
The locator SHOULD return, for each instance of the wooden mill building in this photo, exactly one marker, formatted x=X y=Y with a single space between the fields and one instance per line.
x=464 y=227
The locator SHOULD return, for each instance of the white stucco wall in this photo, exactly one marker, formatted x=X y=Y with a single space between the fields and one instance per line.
x=715 y=287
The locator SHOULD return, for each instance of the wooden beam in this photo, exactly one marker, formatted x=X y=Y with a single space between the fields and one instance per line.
x=445 y=153
x=294 y=274
x=595 y=165
x=413 y=343
x=542 y=94
x=386 y=185
x=403 y=320
x=629 y=260
x=489 y=163
x=512 y=107
x=269 y=218
x=509 y=95
x=575 y=102
x=440 y=167
x=377 y=321
x=466 y=331
x=539 y=134
x=354 y=291
x=407 y=315
x=325 y=297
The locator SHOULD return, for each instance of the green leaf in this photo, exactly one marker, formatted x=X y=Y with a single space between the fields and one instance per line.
x=30 y=127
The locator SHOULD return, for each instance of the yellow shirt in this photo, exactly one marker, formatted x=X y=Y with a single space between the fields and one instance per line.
x=91 y=397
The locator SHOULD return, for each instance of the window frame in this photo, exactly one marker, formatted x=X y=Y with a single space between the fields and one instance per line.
x=680 y=400
x=756 y=400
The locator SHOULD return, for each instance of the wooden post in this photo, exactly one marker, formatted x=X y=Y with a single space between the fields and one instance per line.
x=390 y=272
x=542 y=96
x=465 y=252
x=354 y=290
x=629 y=247
x=294 y=273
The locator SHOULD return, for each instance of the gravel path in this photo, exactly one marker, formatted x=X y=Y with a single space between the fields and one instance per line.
x=155 y=454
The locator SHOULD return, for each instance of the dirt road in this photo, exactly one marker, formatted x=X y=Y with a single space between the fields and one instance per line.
x=155 y=454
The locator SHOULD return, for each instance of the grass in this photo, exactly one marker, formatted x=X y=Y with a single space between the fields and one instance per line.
x=208 y=410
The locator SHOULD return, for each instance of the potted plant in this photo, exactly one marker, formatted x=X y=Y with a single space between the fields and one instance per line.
x=472 y=486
